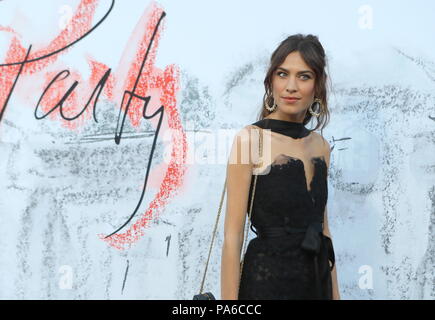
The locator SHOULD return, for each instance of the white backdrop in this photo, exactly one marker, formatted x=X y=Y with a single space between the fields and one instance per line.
x=64 y=184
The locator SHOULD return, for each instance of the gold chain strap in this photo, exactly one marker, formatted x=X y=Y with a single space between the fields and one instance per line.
x=260 y=152
x=260 y=146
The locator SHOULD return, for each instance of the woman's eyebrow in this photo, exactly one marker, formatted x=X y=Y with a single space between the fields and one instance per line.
x=302 y=71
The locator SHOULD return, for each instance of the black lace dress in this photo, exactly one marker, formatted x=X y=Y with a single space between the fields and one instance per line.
x=290 y=258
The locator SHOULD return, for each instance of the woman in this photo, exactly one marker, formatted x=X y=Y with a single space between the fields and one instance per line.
x=292 y=256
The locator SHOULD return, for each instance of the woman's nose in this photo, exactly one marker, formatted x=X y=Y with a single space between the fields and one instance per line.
x=291 y=84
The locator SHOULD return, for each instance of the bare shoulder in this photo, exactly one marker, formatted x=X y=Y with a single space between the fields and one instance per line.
x=242 y=144
x=247 y=132
x=323 y=145
x=250 y=127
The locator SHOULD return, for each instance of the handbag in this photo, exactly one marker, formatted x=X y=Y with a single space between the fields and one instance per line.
x=209 y=295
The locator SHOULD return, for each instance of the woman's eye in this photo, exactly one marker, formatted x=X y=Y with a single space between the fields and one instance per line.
x=279 y=73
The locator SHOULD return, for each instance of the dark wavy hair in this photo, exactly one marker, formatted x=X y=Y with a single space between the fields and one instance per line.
x=314 y=56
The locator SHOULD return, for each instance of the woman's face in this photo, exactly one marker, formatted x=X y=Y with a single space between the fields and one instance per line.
x=293 y=78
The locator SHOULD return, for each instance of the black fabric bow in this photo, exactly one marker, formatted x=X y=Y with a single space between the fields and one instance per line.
x=313 y=239
x=312 y=243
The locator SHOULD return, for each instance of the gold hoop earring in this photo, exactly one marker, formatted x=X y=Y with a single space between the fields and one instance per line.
x=310 y=109
x=269 y=108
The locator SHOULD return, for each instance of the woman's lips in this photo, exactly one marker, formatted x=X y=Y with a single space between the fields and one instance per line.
x=290 y=99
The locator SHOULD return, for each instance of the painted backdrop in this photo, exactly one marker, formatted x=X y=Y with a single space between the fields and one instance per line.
x=116 y=119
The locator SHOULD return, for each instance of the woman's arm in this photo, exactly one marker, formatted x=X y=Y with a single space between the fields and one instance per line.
x=326 y=232
x=239 y=172
x=335 y=290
